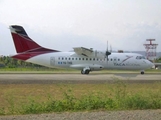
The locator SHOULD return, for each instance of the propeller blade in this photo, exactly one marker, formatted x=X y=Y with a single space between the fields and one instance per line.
x=107 y=53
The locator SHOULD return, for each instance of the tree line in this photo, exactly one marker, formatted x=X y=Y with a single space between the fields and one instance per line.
x=6 y=61
x=158 y=60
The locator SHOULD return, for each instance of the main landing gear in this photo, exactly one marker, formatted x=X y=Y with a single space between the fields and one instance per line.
x=85 y=72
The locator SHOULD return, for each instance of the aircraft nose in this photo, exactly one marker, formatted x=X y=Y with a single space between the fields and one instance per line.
x=151 y=65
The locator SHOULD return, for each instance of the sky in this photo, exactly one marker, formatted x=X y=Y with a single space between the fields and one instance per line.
x=64 y=24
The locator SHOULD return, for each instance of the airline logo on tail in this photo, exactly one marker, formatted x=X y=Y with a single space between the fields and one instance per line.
x=25 y=46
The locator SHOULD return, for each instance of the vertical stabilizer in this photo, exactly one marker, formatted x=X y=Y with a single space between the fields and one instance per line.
x=21 y=40
x=24 y=45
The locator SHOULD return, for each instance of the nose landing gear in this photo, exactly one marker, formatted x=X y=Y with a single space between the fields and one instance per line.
x=142 y=72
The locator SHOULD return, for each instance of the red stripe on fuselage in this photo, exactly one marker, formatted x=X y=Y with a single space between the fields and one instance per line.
x=28 y=55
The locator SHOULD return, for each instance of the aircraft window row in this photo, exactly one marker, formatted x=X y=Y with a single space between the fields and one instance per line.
x=97 y=59
x=140 y=57
x=113 y=59
x=62 y=58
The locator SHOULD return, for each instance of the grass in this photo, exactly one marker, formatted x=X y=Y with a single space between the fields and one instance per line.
x=44 y=98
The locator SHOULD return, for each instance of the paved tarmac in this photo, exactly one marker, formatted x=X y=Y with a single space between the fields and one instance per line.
x=77 y=78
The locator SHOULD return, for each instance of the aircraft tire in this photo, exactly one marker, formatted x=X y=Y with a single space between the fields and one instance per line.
x=87 y=72
x=142 y=72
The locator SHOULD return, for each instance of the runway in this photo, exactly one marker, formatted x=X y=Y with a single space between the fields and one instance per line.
x=78 y=78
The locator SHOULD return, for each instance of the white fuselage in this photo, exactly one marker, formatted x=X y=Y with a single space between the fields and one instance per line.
x=129 y=61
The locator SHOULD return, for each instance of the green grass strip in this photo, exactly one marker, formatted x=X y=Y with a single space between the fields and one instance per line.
x=118 y=99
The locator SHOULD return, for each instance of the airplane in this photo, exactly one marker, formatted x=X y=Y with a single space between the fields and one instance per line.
x=80 y=58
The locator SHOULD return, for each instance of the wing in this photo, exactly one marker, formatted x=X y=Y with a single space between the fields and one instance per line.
x=83 y=51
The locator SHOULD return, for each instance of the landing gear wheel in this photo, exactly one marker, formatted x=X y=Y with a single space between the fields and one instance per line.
x=87 y=72
x=142 y=72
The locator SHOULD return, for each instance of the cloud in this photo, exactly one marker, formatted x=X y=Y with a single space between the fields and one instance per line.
x=126 y=25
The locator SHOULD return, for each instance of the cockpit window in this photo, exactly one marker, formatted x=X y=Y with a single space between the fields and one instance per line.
x=143 y=57
x=140 y=57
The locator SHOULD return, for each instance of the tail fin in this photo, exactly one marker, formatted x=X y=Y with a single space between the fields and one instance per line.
x=23 y=43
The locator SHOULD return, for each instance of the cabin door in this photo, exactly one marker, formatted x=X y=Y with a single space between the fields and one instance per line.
x=52 y=61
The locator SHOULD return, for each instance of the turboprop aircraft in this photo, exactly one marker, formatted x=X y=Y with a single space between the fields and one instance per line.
x=81 y=58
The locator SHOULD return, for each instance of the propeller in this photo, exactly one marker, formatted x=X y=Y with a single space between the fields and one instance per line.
x=107 y=53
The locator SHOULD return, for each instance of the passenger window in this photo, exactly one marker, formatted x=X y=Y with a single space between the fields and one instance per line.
x=62 y=58
x=86 y=58
x=93 y=58
x=69 y=58
x=72 y=58
x=111 y=59
x=82 y=58
x=79 y=58
x=75 y=58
